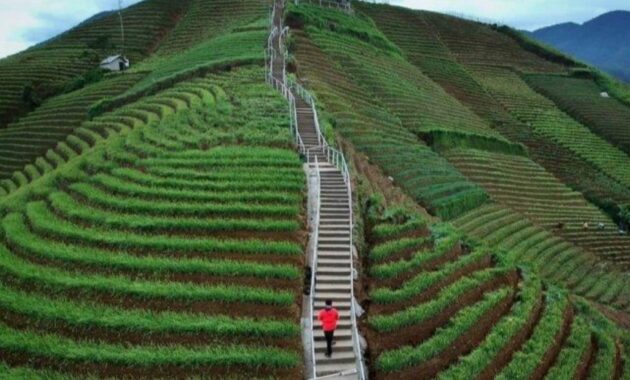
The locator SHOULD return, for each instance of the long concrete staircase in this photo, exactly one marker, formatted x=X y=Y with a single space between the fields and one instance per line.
x=333 y=252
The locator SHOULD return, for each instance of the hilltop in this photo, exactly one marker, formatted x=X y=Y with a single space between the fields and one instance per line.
x=602 y=41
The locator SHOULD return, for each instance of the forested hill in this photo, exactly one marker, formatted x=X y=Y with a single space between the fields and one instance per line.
x=602 y=41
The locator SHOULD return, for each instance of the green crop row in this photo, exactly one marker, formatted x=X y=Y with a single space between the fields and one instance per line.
x=448 y=296
x=18 y=235
x=463 y=321
x=89 y=315
x=384 y=251
x=527 y=359
x=117 y=186
x=473 y=364
x=44 y=222
x=59 y=280
x=423 y=281
x=388 y=231
x=65 y=350
x=572 y=354
x=392 y=269
x=100 y=198
x=69 y=208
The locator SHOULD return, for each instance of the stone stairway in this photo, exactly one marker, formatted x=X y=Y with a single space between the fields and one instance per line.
x=333 y=273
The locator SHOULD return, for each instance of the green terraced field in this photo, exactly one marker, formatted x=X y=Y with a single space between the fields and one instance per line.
x=527 y=188
x=31 y=136
x=442 y=310
x=48 y=68
x=381 y=134
x=557 y=260
x=184 y=272
x=547 y=120
x=581 y=98
x=207 y=19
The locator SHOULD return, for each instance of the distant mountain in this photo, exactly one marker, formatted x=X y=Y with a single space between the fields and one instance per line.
x=602 y=42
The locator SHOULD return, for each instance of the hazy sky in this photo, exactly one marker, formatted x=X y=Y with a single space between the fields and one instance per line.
x=27 y=22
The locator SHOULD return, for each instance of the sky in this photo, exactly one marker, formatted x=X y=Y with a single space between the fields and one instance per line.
x=26 y=22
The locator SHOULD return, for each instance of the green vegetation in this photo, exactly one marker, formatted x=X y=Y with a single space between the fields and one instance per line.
x=159 y=235
x=581 y=99
x=383 y=105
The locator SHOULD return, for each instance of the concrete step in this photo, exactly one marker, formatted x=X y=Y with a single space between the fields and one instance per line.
x=334 y=247
x=343 y=346
x=341 y=298
x=332 y=271
x=336 y=263
x=333 y=368
x=326 y=279
x=340 y=335
x=334 y=288
x=337 y=357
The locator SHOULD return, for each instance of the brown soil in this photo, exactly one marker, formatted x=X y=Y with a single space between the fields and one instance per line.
x=505 y=355
x=554 y=350
x=621 y=318
x=93 y=333
x=586 y=361
x=618 y=361
x=430 y=265
x=429 y=293
x=414 y=335
x=109 y=370
x=461 y=346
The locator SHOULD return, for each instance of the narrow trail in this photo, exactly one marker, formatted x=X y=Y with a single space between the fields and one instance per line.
x=333 y=257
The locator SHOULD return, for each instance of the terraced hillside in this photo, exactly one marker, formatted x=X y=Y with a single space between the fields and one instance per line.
x=182 y=238
x=436 y=44
x=31 y=136
x=583 y=100
x=349 y=92
x=47 y=69
x=208 y=19
x=440 y=308
x=527 y=188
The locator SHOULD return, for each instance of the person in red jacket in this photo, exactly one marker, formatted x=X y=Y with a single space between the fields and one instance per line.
x=329 y=317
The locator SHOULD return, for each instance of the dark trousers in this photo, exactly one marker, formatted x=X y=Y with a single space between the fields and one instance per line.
x=329 y=339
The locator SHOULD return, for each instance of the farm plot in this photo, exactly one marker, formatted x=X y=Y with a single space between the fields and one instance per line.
x=379 y=134
x=581 y=99
x=557 y=260
x=45 y=70
x=175 y=249
x=443 y=310
x=207 y=19
x=422 y=105
x=527 y=188
x=31 y=136
x=547 y=120
x=423 y=47
x=474 y=43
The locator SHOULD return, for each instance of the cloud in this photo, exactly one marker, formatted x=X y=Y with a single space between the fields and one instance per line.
x=24 y=23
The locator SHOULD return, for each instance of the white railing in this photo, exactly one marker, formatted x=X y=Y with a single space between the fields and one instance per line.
x=335 y=157
x=314 y=265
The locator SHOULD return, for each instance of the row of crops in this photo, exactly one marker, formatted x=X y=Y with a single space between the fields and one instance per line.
x=175 y=249
x=582 y=99
x=31 y=136
x=425 y=45
x=547 y=120
x=377 y=132
x=555 y=258
x=441 y=308
x=207 y=19
x=27 y=78
x=527 y=188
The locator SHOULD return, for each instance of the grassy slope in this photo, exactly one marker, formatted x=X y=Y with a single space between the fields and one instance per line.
x=48 y=68
x=149 y=297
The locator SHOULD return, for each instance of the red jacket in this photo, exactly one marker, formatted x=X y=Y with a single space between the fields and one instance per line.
x=329 y=319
